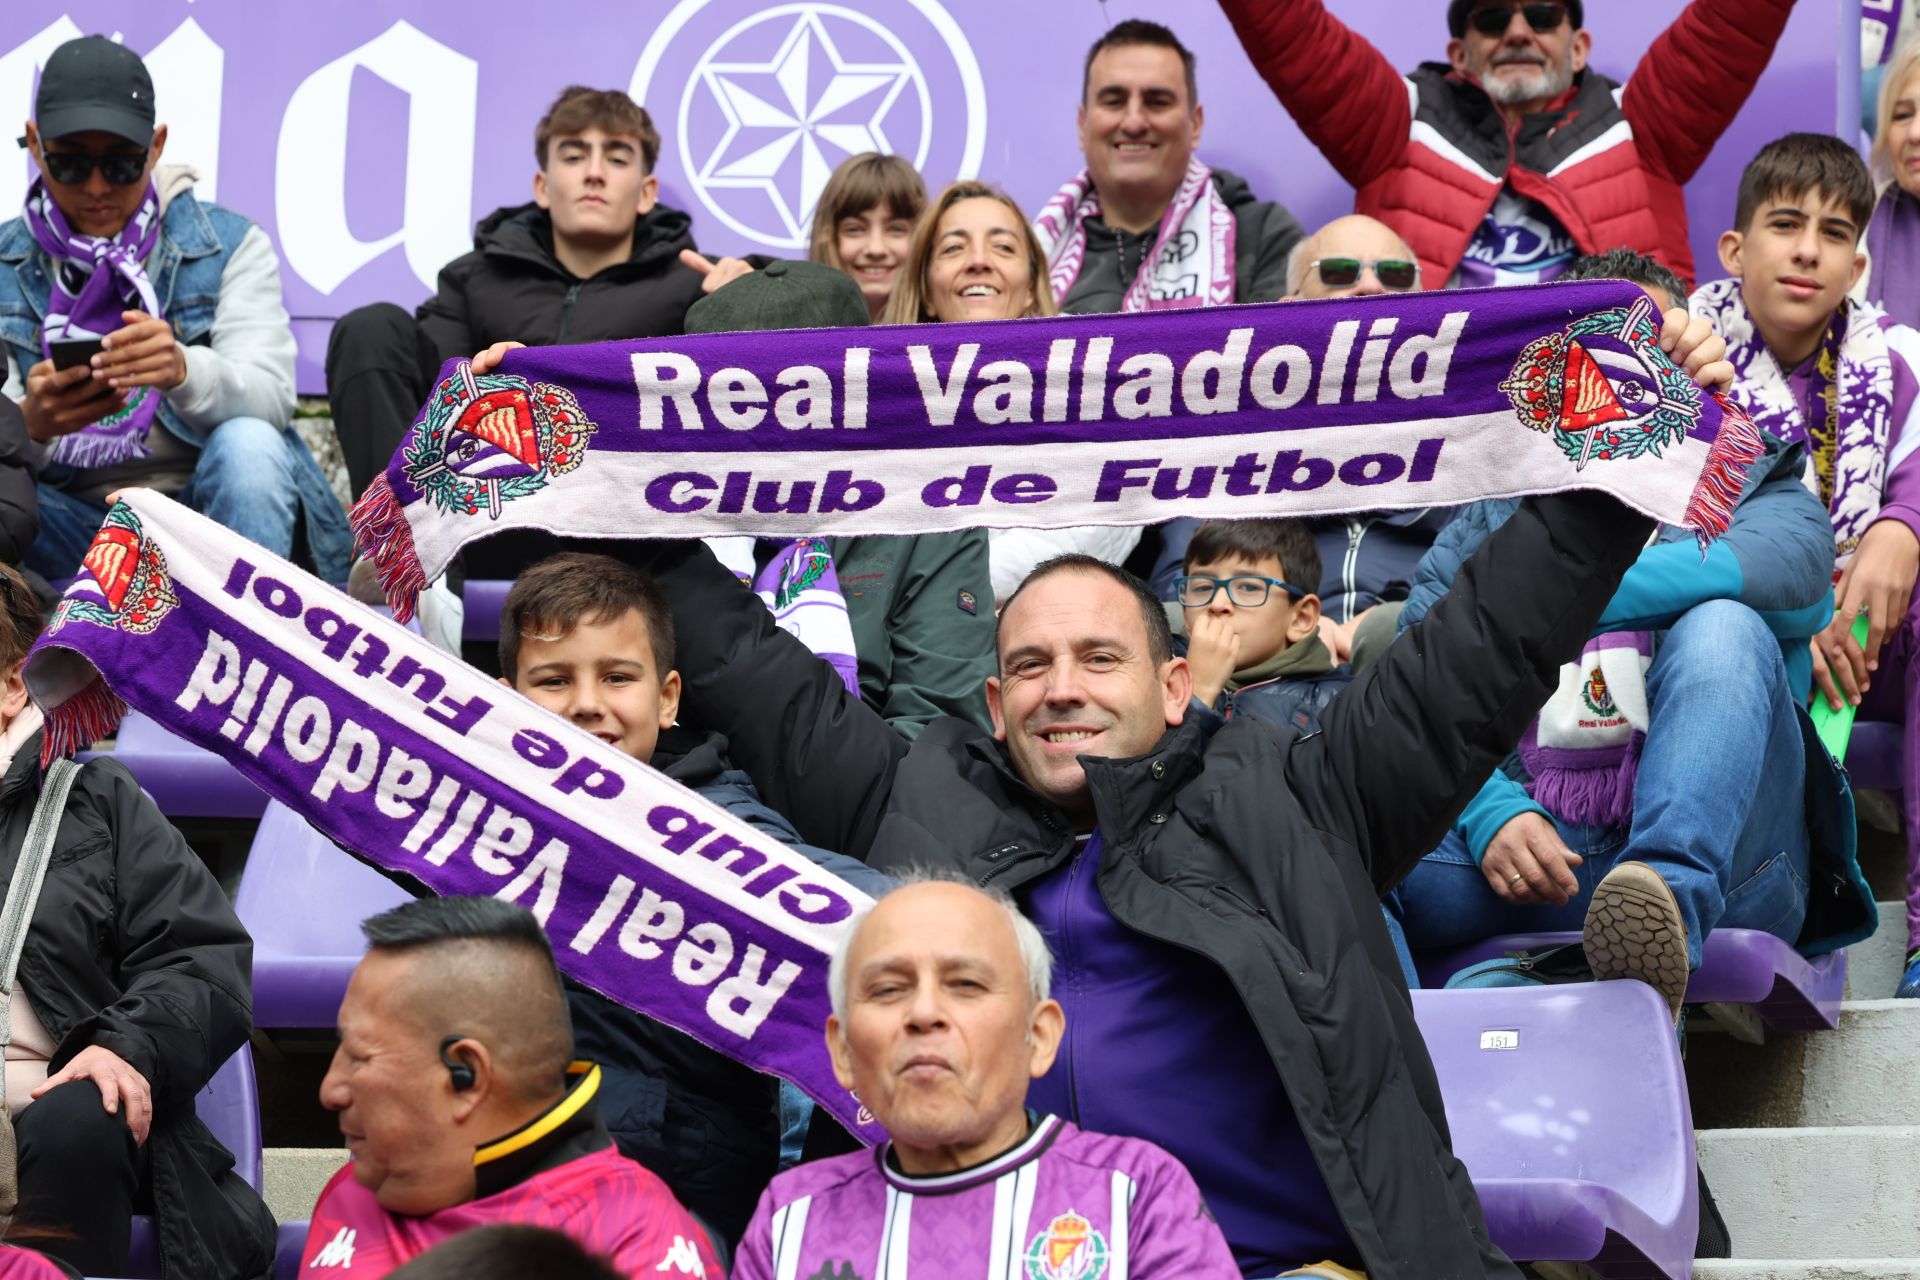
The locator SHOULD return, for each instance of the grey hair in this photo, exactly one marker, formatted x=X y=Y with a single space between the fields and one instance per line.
x=1035 y=957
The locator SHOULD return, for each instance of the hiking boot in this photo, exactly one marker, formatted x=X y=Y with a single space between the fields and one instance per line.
x=1909 y=988
x=1634 y=930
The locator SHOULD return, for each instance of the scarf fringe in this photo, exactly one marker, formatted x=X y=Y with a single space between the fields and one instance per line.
x=1597 y=796
x=82 y=720
x=87 y=449
x=1738 y=444
x=382 y=535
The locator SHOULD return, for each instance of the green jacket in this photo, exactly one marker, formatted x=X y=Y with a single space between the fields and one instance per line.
x=922 y=614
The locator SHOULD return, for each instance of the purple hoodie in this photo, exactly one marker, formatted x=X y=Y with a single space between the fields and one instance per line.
x=1062 y=1205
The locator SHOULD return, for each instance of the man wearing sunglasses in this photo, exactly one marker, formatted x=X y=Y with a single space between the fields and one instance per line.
x=1512 y=157
x=145 y=337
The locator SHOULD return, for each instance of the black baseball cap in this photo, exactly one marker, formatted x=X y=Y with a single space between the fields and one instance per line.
x=92 y=83
x=1458 y=10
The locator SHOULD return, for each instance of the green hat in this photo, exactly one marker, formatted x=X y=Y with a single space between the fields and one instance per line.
x=781 y=295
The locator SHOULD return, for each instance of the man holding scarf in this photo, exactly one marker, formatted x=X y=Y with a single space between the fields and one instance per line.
x=1146 y=225
x=145 y=336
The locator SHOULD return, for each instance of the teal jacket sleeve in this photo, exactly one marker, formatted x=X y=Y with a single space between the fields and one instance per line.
x=1499 y=801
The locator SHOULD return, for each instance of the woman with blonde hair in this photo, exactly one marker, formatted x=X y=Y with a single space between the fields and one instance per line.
x=1893 y=235
x=974 y=256
x=863 y=222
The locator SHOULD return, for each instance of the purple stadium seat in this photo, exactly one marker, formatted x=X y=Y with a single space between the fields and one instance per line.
x=483 y=599
x=291 y=1239
x=1741 y=966
x=184 y=780
x=303 y=898
x=230 y=1105
x=1569 y=1109
x=1873 y=755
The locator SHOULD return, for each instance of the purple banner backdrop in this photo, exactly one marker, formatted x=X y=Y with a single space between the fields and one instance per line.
x=367 y=139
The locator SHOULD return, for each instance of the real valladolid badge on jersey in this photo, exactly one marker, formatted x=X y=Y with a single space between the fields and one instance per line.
x=488 y=439
x=1069 y=1249
x=130 y=573
x=1602 y=389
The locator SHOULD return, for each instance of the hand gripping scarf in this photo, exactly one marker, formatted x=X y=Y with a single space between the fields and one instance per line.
x=1295 y=408
x=802 y=588
x=1190 y=264
x=95 y=278
x=1851 y=410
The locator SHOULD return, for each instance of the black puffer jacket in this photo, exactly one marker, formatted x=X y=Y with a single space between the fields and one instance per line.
x=134 y=948
x=512 y=287
x=19 y=504
x=1262 y=850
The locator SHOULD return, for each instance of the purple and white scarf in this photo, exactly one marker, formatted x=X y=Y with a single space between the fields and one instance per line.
x=802 y=588
x=1294 y=408
x=421 y=764
x=94 y=279
x=1893 y=244
x=1583 y=749
x=1848 y=420
x=1190 y=265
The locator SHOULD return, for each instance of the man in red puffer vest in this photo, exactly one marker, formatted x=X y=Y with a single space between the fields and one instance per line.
x=1507 y=161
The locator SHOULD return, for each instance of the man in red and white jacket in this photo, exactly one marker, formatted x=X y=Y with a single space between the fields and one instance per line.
x=1512 y=158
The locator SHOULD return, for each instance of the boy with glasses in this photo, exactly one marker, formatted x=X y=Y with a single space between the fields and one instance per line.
x=1503 y=163
x=1253 y=635
x=144 y=333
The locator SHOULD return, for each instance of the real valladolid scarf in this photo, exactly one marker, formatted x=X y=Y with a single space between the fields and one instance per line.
x=1190 y=264
x=95 y=278
x=1284 y=409
x=1848 y=419
x=423 y=765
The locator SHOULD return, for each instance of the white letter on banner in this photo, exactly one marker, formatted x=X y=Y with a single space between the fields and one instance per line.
x=215 y=676
x=653 y=918
x=660 y=376
x=546 y=866
x=404 y=778
x=1436 y=353
x=504 y=836
x=355 y=755
x=942 y=399
x=18 y=67
x=188 y=70
x=310 y=166
x=703 y=955
x=742 y=1002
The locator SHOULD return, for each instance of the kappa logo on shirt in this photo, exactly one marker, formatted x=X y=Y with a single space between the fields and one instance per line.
x=338 y=1252
x=826 y=1272
x=684 y=1258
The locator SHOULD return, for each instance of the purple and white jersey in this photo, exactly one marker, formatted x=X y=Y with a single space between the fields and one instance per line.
x=1063 y=1205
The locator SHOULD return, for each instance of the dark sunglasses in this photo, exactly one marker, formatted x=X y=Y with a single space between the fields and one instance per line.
x=1543 y=17
x=1393 y=273
x=122 y=168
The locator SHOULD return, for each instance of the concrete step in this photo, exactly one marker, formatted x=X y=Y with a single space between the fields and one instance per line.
x=1862 y=1074
x=1874 y=966
x=1817 y=1193
x=294 y=1177
x=1800 y=1269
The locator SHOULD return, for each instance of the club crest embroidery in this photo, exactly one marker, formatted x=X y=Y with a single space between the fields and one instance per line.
x=485 y=440
x=1069 y=1249
x=804 y=567
x=130 y=574
x=1603 y=388
x=1594 y=693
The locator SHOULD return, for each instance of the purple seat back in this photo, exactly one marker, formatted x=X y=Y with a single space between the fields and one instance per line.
x=185 y=781
x=230 y=1107
x=289 y=1242
x=1874 y=755
x=1740 y=966
x=1568 y=1107
x=484 y=598
x=303 y=898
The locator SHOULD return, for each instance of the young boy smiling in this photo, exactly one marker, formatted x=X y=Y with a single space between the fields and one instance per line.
x=1840 y=376
x=1253 y=639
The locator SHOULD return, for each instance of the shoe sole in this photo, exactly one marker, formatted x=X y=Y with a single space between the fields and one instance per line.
x=1634 y=930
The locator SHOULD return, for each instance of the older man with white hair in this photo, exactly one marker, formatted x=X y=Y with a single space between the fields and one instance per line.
x=941 y=1018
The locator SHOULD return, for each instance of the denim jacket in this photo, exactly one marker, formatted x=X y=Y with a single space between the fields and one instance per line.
x=188 y=268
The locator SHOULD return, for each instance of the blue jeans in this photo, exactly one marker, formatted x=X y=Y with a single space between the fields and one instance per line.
x=249 y=478
x=1718 y=807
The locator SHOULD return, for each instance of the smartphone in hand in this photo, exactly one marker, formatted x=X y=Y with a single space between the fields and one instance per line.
x=71 y=353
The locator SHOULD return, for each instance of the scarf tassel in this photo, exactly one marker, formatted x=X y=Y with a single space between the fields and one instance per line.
x=79 y=722
x=1601 y=795
x=381 y=533
x=1738 y=444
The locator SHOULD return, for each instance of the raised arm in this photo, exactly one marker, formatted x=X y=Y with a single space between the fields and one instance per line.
x=1696 y=76
x=1404 y=749
x=815 y=752
x=1342 y=92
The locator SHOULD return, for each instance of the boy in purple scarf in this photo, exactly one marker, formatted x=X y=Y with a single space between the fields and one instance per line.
x=163 y=356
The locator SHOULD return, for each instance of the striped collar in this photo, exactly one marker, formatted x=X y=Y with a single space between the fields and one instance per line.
x=1040 y=1136
x=567 y=1130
